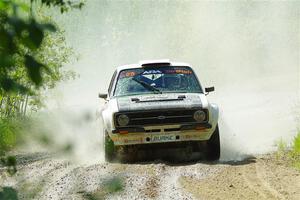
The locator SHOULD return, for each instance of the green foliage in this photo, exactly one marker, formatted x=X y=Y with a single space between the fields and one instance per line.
x=64 y=5
x=281 y=149
x=8 y=193
x=22 y=35
x=295 y=152
x=21 y=39
x=292 y=154
x=112 y=185
x=11 y=164
x=296 y=145
x=8 y=131
x=32 y=53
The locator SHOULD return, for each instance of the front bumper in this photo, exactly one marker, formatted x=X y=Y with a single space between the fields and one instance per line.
x=161 y=134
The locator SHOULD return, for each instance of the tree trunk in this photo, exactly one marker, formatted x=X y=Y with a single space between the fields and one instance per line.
x=25 y=107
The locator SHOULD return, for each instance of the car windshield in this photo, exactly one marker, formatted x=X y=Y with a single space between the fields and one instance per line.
x=157 y=80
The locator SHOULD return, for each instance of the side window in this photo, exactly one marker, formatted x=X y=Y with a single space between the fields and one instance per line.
x=111 y=83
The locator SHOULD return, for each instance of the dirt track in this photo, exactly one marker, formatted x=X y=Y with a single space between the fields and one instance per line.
x=43 y=177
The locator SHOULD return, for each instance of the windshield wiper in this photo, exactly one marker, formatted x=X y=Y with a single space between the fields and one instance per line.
x=147 y=86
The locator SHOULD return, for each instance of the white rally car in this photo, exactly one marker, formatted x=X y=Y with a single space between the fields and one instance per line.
x=156 y=104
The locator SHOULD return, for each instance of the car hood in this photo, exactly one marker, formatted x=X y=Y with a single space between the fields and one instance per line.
x=161 y=101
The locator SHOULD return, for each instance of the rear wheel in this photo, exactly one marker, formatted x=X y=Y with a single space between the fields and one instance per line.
x=109 y=148
x=213 y=146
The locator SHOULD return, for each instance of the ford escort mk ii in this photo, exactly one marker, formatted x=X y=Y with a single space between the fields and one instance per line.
x=159 y=103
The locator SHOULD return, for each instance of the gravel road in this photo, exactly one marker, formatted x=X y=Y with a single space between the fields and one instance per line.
x=42 y=176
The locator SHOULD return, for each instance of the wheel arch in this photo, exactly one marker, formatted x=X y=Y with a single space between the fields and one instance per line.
x=214 y=115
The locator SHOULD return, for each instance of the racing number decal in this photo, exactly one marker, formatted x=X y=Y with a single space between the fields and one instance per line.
x=129 y=74
x=126 y=74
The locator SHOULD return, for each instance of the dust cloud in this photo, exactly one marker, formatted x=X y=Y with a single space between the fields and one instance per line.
x=248 y=50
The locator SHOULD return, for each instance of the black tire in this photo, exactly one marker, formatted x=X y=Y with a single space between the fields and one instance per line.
x=213 y=146
x=109 y=148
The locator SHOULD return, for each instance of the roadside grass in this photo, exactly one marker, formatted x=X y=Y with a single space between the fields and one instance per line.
x=12 y=132
x=282 y=149
x=8 y=129
x=292 y=154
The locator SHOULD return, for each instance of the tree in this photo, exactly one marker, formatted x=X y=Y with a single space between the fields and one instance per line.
x=32 y=53
x=21 y=37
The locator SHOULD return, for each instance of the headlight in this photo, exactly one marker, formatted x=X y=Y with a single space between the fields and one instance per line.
x=123 y=120
x=199 y=116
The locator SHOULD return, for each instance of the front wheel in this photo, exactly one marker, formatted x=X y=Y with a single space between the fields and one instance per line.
x=213 y=146
x=109 y=148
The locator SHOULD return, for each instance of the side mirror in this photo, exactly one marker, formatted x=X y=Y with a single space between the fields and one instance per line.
x=209 y=89
x=102 y=96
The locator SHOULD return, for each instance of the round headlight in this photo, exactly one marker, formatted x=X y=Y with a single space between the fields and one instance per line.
x=199 y=116
x=123 y=120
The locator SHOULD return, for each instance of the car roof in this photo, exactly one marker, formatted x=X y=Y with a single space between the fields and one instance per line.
x=144 y=63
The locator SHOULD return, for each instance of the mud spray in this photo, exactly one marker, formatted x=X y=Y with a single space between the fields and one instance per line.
x=248 y=50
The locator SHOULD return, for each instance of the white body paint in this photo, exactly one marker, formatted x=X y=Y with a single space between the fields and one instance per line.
x=111 y=107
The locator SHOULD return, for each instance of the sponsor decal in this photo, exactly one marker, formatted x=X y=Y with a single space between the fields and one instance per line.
x=188 y=136
x=122 y=140
x=178 y=71
x=152 y=77
x=191 y=136
x=130 y=140
x=152 y=72
x=160 y=138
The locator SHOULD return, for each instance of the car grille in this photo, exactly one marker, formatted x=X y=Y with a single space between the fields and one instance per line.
x=159 y=117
